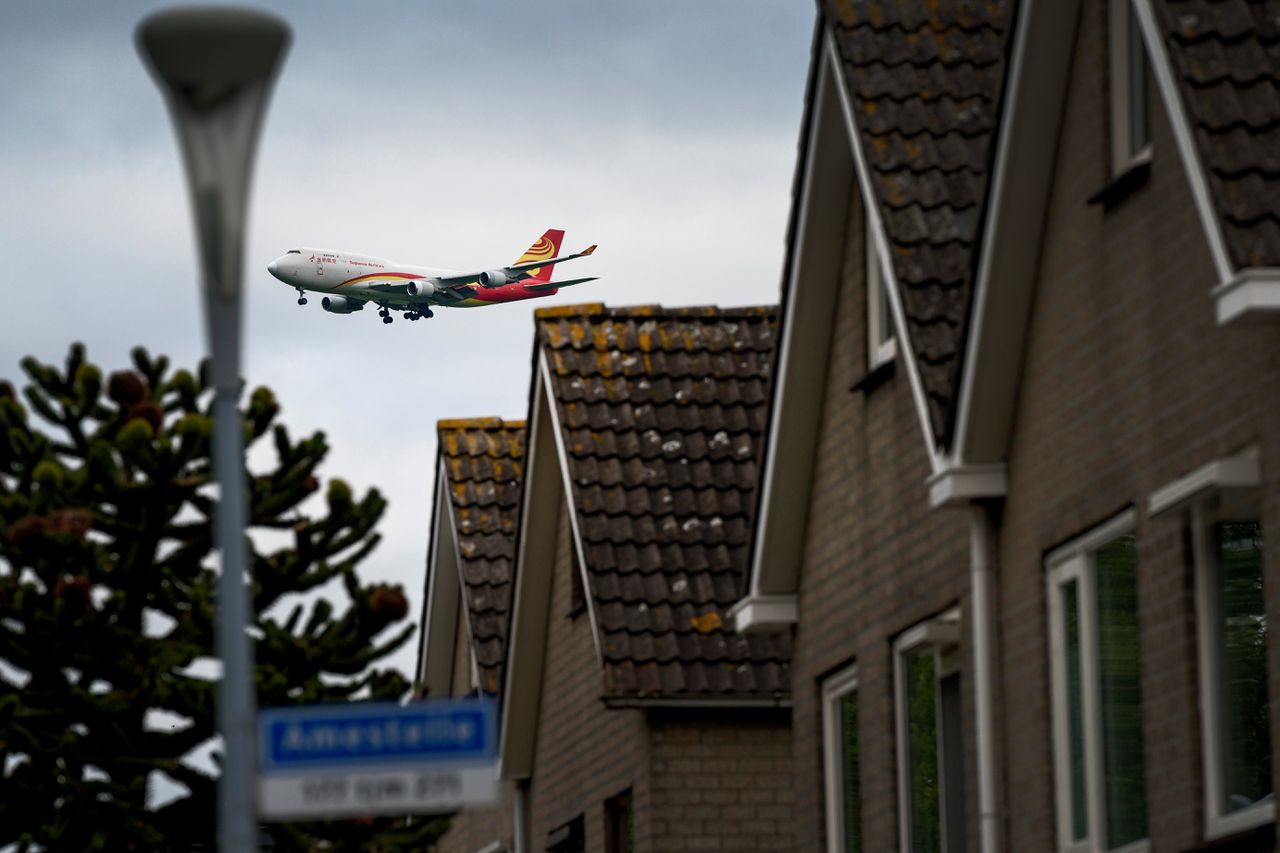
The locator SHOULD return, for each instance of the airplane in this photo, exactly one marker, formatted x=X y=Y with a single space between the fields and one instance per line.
x=351 y=281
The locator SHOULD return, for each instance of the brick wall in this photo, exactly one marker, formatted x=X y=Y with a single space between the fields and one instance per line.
x=877 y=561
x=1127 y=383
x=585 y=753
x=721 y=780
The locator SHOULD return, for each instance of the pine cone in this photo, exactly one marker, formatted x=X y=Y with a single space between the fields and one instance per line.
x=388 y=605
x=73 y=522
x=27 y=529
x=126 y=387
x=149 y=412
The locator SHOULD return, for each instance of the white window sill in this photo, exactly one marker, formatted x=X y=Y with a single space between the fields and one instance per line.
x=1252 y=294
x=1258 y=814
x=962 y=483
x=764 y=614
x=1232 y=472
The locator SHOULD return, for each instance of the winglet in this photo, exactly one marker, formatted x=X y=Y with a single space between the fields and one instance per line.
x=588 y=250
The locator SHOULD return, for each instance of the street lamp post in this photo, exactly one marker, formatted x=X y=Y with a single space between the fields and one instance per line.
x=215 y=66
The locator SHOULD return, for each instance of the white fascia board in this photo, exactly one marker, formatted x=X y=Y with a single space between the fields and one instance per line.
x=876 y=226
x=574 y=527
x=1022 y=181
x=960 y=484
x=540 y=500
x=764 y=614
x=1184 y=135
x=1250 y=294
x=1240 y=471
x=440 y=628
x=804 y=343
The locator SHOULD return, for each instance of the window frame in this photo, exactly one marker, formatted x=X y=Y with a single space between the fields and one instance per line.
x=1067 y=564
x=939 y=635
x=1208 y=604
x=1124 y=32
x=834 y=688
x=879 y=312
x=620 y=822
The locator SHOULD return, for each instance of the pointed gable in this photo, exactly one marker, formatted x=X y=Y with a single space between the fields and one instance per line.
x=1226 y=59
x=925 y=81
x=482 y=460
x=661 y=415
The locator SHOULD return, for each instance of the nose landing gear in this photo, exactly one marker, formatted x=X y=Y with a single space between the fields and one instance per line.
x=302 y=297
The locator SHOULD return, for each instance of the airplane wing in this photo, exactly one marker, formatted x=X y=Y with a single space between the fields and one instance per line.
x=514 y=269
x=400 y=289
x=554 y=285
x=528 y=265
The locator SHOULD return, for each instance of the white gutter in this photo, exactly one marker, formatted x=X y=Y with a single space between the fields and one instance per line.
x=984 y=648
x=521 y=834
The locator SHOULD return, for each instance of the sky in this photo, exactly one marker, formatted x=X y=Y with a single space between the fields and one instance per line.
x=447 y=134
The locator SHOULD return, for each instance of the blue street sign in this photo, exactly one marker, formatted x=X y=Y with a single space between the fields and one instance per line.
x=313 y=738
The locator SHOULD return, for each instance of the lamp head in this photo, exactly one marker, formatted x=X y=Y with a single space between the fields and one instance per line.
x=204 y=55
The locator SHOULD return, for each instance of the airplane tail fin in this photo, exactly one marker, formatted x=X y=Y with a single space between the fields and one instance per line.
x=547 y=246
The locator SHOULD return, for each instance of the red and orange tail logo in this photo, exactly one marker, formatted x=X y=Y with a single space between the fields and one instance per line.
x=547 y=246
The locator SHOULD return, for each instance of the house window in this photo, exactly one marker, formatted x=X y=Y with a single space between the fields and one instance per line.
x=1130 y=90
x=931 y=797
x=619 y=824
x=840 y=753
x=1235 y=719
x=567 y=838
x=1100 y=779
x=881 y=342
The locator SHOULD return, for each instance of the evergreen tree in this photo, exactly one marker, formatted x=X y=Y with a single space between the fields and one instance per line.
x=107 y=599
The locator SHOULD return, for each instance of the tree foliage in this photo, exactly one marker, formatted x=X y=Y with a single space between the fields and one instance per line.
x=107 y=593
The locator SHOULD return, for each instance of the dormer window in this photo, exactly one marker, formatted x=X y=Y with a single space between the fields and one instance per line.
x=881 y=342
x=1130 y=92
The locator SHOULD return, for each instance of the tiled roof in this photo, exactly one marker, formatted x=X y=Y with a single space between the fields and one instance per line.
x=663 y=413
x=1226 y=56
x=926 y=79
x=483 y=460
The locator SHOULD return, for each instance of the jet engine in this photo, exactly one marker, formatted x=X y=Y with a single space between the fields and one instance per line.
x=341 y=305
x=493 y=278
x=420 y=287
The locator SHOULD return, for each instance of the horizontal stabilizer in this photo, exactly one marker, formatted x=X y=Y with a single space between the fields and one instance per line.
x=554 y=285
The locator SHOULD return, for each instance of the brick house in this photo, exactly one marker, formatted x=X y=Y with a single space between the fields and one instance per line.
x=467 y=606
x=1014 y=487
x=591 y=596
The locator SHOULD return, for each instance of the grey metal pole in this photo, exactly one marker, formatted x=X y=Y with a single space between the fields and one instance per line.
x=215 y=66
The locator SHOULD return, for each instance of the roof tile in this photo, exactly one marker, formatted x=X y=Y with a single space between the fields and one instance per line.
x=663 y=413
x=1226 y=59
x=926 y=80
x=482 y=460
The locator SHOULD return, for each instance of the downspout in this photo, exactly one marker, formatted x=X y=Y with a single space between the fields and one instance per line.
x=521 y=831
x=981 y=537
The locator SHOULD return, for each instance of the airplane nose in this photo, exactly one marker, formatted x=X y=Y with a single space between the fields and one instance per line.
x=274 y=268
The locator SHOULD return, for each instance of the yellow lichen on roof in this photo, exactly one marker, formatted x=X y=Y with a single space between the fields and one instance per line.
x=476 y=423
x=583 y=309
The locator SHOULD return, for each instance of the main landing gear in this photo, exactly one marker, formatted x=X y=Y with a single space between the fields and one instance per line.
x=302 y=297
x=385 y=313
x=414 y=315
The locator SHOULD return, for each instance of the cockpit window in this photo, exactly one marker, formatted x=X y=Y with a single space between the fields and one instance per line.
x=294 y=252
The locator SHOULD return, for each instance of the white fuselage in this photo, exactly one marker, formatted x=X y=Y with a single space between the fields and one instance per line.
x=349 y=274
